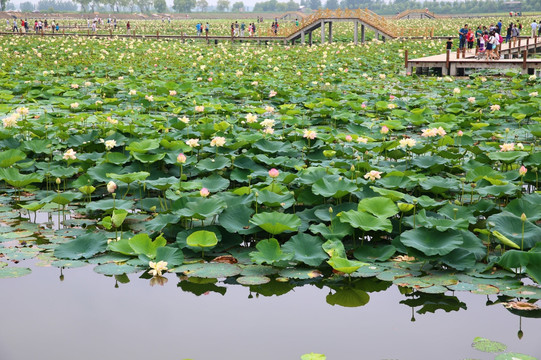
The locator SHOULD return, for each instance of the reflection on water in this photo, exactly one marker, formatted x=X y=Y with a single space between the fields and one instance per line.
x=88 y=316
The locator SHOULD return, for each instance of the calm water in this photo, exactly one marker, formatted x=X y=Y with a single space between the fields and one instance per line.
x=86 y=317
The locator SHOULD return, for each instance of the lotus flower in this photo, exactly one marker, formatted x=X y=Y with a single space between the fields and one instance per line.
x=157 y=268
x=273 y=173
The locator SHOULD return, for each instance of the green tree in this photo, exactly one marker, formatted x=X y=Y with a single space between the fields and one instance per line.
x=203 y=5
x=222 y=5
x=84 y=4
x=183 y=5
x=3 y=4
x=314 y=4
x=238 y=6
x=332 y=4
x=160 y=6
x=26 y=6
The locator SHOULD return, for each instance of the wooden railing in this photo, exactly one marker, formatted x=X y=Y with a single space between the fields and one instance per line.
x=368 y=17
x=403 y=14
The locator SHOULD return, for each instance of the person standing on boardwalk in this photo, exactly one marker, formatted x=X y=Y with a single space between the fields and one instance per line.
x=534 y=28
x=207 y=29
x=514 y=34
x=15 y=28
x=470 y=38
x=509 y=31
x=128 y=27
x=242 y=28
x=462 y=37
x=499 y=27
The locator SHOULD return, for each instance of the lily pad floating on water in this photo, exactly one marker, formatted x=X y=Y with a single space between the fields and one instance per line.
x=68 y=263
x=253 y=280
x=269 y=252
x=313 y=356
x=209 y=270
x=116 y=269
x=84 y=246
x=489 y=346
x=300 y=273
x=13 y=272
x=514 y=356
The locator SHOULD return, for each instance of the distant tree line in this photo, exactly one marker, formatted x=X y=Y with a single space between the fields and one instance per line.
x=183 y=6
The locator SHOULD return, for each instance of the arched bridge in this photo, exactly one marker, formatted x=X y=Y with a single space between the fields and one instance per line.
x=321 y=18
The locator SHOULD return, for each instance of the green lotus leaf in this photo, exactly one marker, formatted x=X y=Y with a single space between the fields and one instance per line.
x=487 y=345
x=269 y=252
x=142 y=244
x=62 y=198
x=514 y=356
x=528 y=205
x=337 y=231
x=208 y=165
x=143 y=146
x=109 y=204
x=210 y=270
x=378 y=206
x=507 y=156
x=202 y=239
x=365 y=221
x=81 y=247
x=122 y=246
x=372 y=253
x=87 y=189
x=172 y=256
x=345 y=265
x=236 y=219
x=306 y=248
x=439 y=185
x=116 y=269
x=148 y=158
x=333 y=186
x=14 y=178
x=510 y=226
x=10 y=157
x=64 y=172
x=13 y=272
x=253 y=280
x=129 y=178
x=313 y=356
x=431 y=241
x=34 y=206
x=334 y=248
x=201 y=208
x=276 y=222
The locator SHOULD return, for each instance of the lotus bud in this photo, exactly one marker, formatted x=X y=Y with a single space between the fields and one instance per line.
x=204 y=192
x=111 y=187
x=352 y=168
x=463 y=179
x=457 y=202
x=58 y=181
x=520 y=334
x=273 y=173
x=330 y=210
x=522 y=171
x=153 y=208
x=523 y=217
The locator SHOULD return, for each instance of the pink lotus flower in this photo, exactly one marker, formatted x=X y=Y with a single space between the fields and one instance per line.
x=460 y=133
x=522 y=171
x=204 y=192
x=273 y=173
x=384 y=130
x=181 y=158
x=348 y=138
x=363 y=105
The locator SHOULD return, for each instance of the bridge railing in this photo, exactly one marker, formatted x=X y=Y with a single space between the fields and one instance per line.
x=369 y=17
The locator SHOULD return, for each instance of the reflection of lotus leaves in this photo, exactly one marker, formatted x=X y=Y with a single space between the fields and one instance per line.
x=348 y=298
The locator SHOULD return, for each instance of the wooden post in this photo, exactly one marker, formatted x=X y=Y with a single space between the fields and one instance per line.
x=110 y=33
x=458 y=53
x=527 y=44
x=447 y=58
x=406 y=59
x=535 y=44
x=157 y=34
x=524 y=58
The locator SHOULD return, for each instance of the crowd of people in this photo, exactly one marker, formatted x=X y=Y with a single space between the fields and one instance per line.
x=489 y=39
x=38 y=25
x=240 y=29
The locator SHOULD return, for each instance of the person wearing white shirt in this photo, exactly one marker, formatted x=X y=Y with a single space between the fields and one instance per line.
x=534 y=28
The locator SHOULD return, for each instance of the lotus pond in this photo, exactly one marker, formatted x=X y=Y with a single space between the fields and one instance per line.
x=268 y=168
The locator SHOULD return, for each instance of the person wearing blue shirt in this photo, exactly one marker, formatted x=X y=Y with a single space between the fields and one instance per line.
x=198 y=28
x=499 y=27
x=462 y=36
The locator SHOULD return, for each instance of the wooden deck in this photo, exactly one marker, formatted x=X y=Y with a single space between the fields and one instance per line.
x=452 y=63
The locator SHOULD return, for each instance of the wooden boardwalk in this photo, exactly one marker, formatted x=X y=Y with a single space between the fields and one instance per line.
x=321 y=19
x=452 y=63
